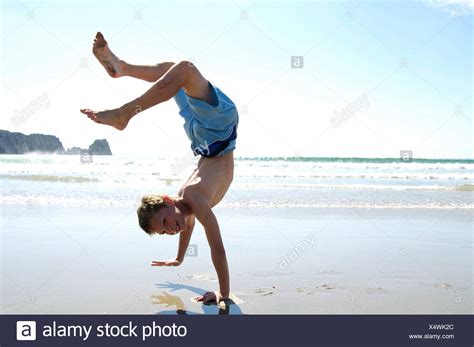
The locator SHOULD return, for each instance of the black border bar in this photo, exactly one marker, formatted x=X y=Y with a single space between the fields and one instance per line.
x=254 y=330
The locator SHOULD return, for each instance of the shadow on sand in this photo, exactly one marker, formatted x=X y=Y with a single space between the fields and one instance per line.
x=229 y=306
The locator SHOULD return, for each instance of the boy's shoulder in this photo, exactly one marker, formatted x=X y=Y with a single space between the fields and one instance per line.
x=194 y=196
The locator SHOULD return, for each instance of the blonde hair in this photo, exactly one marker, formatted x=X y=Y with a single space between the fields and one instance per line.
x=150 y=205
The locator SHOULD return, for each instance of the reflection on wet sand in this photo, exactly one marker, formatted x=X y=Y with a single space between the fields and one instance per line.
x=226 y=307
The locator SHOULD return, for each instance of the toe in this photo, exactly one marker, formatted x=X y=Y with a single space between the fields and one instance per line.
x=99 y=40
x=88 y=112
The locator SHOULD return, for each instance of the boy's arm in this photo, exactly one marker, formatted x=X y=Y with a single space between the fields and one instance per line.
x=207 y=218
x=184 y=238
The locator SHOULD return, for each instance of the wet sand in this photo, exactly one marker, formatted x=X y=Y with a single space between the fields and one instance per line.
x=282 y=260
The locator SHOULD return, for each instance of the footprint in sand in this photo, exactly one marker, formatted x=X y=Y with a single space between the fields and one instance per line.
x=443 y=285
x=378 y=290
x=311 y=290
x=306 y=290
x=265 y=291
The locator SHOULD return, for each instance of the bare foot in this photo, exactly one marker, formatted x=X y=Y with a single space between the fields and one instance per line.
x=109 y=61
x=114 y=118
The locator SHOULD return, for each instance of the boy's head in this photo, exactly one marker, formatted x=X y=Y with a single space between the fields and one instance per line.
x=158 y=214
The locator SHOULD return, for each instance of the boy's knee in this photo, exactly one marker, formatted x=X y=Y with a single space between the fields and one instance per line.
x=187 y=66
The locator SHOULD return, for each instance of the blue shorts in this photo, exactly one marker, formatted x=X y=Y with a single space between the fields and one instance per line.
x=212 y=129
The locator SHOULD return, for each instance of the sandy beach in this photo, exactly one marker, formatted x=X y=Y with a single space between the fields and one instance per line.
x=58 y=259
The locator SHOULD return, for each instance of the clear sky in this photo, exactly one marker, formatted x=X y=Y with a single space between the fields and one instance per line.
x=397 y=73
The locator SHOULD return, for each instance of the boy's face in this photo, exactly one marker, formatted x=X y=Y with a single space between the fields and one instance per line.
x=168 y=220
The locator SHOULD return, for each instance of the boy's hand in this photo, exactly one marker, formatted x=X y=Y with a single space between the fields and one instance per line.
x=210 y=296
x=174 y=262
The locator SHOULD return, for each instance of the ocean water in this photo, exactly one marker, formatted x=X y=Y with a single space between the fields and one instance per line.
x=259 y=182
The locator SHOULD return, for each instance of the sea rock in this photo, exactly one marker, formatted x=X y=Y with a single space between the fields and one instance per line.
x=73 y=151
x=18 y=143
x=100 y=147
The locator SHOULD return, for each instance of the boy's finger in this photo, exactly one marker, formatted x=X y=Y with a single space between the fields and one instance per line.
x=205 y=298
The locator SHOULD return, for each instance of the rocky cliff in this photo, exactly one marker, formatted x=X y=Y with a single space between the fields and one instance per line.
x=18 y=143
x=100 y=147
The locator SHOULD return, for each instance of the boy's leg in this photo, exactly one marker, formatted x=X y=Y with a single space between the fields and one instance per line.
x=116 y=67
x=150 y=73
x=181 y=75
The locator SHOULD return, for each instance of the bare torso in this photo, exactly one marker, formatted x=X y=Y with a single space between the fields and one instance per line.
x=210 y=180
